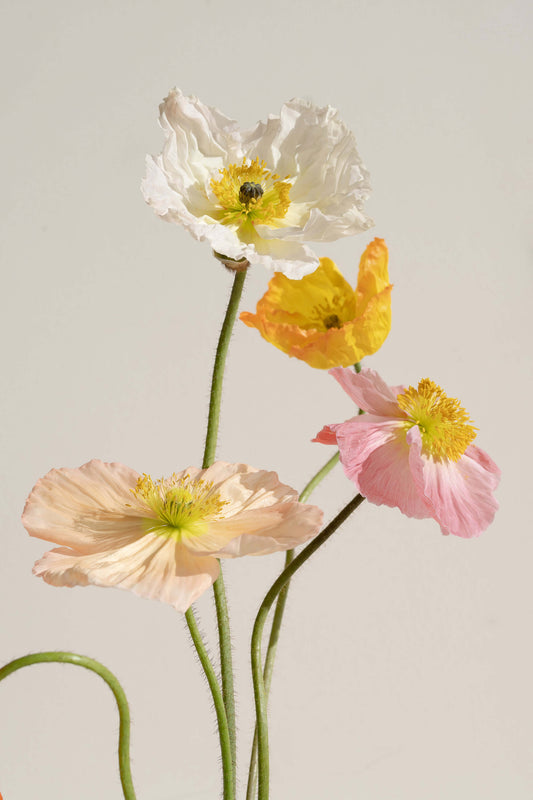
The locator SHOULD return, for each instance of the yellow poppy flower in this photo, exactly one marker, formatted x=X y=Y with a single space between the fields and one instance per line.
x=321 y=319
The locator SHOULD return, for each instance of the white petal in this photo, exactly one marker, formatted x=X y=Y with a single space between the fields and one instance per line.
x=292 y=258
x=315 y=148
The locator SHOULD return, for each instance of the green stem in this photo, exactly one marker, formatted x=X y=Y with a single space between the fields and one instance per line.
x=218 y=369
x=226 y=665
x=118 y=692
x=277 y=620
x=223 y=729
x=257 y=672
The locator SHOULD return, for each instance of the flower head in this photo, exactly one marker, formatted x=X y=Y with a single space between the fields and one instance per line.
x=321 y=319
x=413 y=450
x=161 y=538
x=258 y=194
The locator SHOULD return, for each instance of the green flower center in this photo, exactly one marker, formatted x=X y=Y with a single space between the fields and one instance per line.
x=183 y=505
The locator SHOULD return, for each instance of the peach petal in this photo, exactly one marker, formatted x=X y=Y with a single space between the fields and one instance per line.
x=259 y=531
x=85 y=508
x=153 y=567
x=244 y=487
x=369 y=391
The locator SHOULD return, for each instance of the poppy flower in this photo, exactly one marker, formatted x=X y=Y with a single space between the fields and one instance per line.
x=161 y=538
x=320 y=319
x=413 y=449
x=258 y=194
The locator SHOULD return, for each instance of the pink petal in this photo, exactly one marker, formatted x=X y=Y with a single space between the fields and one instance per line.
x=154 y=567
x=87 y=507
x=385 y=479
x=359 y=437
x=259 y=531
x=460 y=491
x=369 y=391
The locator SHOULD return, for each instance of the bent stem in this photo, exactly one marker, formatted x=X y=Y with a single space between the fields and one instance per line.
x=223 y=729
x=118 y=693
x=257 y=672
x=277 y=620
x=226 y=665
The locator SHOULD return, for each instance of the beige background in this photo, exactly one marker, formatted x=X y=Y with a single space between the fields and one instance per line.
x=405 y=664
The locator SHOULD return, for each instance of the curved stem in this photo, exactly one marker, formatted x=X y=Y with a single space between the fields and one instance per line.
x=223 y=730
x=277 y=620
x=224 y=636
x=118 y=692
x=257 y=672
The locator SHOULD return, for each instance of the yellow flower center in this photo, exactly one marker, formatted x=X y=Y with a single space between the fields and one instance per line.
x=183 y=505
x=444 y=424
x=249 y=194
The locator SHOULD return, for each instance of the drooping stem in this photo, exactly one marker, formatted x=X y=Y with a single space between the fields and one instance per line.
x=223 y=730
x=257 y=672
x=226 y=665
x=118 y=693
x=276 y=623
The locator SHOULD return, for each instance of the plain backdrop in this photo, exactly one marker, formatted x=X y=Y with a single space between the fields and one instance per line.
x=405 y=661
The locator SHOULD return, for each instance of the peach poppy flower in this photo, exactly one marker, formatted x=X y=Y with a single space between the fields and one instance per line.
x=161 y=538
x=413 y=450
x=320 y=319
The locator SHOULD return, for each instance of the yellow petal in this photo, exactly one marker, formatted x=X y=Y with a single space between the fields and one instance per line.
x=373 y=274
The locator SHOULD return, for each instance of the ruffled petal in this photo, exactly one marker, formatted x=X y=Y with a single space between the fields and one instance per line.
x=242 y=487
x=259 y=531
x=153 y=566
x=385 y=478
x=86 y=508
x=199 y=139
x=369 y=392
x=373 y=277
x=460 y=491
x=359 y=437
x=314 y=146
x=294 y=259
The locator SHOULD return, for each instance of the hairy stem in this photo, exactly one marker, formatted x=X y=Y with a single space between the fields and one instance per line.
x=276 y=623
x=223 y=729
x=257 y=671
x=226 y=663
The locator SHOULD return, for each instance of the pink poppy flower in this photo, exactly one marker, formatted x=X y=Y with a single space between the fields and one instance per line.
x=161 y=538
x=412 y=449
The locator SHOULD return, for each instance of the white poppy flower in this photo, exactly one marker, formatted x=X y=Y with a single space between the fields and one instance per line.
x=259 y=194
